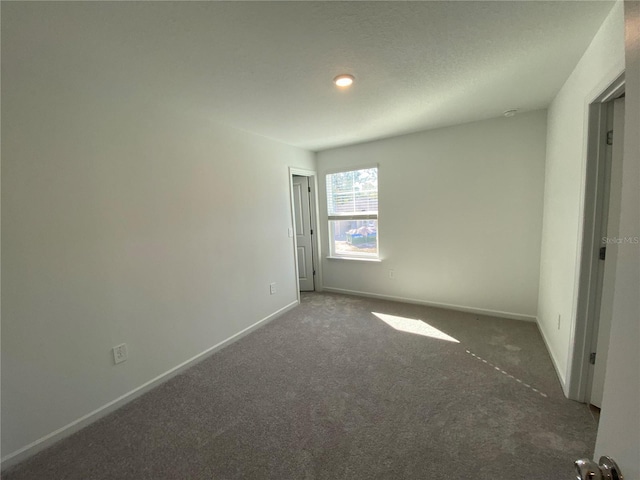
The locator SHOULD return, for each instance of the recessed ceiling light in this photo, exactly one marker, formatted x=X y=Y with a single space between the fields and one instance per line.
x=344 y=80
x=510 y=113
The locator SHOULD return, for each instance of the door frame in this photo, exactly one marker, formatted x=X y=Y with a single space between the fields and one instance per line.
x=313 y=196
x=585 y=331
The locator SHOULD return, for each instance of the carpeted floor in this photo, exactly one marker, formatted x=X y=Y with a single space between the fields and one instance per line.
x=331 y=391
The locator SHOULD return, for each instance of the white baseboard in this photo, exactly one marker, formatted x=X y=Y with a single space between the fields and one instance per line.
x=460 y=308
x=554 y=361
x=57 y=435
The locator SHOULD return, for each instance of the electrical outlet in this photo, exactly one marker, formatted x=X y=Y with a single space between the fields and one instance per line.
x=272 y=288
x=392 y=274
x=559 y=319
x=120 y=353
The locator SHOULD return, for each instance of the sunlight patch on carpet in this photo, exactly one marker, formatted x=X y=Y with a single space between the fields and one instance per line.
x=411 y=325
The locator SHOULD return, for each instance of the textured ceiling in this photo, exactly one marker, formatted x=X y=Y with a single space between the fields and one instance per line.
x=266 y=67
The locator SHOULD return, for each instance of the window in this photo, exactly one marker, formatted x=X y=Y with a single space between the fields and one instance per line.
x=352 y=210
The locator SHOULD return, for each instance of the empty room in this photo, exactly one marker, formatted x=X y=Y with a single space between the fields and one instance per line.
x=320 y=240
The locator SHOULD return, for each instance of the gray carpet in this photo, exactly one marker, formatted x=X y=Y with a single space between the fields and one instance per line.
x=330 y=391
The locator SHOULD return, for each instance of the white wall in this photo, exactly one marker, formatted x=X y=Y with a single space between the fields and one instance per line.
x=460 y=215
x=123 y=221
x=619 y=428
x=564 y=186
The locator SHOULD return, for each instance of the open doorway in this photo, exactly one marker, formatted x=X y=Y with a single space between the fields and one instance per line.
x=610 y=220
x=305 y=229
x=599 y=244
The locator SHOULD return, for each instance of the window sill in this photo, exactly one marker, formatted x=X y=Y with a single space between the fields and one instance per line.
x=357 y=259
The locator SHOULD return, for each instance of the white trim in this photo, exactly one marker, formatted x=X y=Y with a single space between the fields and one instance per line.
x=351 y=169
x=357 y=259
x=315 y=220
x=459 y=308
x=582 y=324
x=303 y=172
x=554 y=360
x=615 y=90
x=57 y=435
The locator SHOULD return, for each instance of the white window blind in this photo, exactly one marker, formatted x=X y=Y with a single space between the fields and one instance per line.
x=353 y=194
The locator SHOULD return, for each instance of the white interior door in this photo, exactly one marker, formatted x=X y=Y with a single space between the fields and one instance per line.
x=611 y=227
x=304 y=233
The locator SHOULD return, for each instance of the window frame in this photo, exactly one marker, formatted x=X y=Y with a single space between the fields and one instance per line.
x=368 y=257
